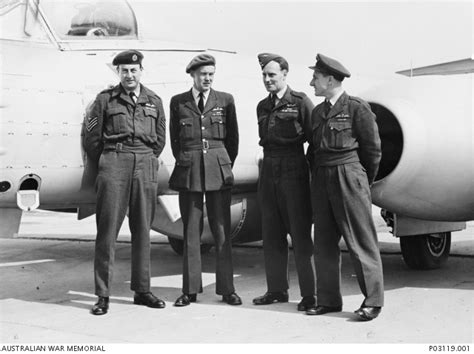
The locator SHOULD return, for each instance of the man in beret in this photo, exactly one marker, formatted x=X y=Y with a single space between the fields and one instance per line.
x=284 y=124
x=205 y=141
x=347 y=153
x=123 y=136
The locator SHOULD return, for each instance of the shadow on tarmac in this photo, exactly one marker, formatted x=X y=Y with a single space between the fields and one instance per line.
x=68 y=280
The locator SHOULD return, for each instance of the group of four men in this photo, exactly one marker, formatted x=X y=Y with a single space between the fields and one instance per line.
x=124 y=133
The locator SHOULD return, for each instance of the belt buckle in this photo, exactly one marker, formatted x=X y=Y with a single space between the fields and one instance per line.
x=119 y=146
x=205 y=144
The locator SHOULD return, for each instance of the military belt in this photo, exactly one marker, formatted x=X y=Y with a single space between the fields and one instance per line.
x=203 y=145
x=335 y=158
x=128 y=147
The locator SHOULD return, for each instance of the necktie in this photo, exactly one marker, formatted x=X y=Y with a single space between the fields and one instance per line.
x=132 y=96
x=201 y=102
x=327 y=107
x=273 y=100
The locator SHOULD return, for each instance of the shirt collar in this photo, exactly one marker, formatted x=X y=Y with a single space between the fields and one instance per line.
x=136 y=91
x=196 y=94
x=282 y=92
x=338 y=92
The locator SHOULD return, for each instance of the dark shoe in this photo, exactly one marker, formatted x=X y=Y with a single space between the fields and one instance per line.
x=101 y=307
x=232 y=299
x=306 y=303
x=148 y=299
x=368 y=313
x=185 y=300
x=321 y=310
x=270 y=298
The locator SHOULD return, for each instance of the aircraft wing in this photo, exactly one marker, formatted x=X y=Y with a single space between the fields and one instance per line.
x=463 y=66
x=142 y=45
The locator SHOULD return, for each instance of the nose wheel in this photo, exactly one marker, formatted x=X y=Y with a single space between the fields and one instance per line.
x=429 y=251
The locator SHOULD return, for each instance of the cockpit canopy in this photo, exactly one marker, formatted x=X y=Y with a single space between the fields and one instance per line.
x=67 y=20
x=91 y=18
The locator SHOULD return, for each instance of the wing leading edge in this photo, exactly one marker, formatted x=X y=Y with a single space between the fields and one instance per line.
x=463 y=66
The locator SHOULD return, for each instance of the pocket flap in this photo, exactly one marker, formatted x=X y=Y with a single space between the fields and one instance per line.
x=184 y=160
x=339 y=126
x=216 y=119
x=151 y=113
x=224 y=159
x=186 y=121
x=183 y=163
x=116 y=110
x=287 y=116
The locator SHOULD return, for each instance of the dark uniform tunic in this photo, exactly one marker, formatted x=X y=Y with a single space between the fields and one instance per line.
x=205 y=146
x=124 y=139
x=346 y=158
x=283 y=189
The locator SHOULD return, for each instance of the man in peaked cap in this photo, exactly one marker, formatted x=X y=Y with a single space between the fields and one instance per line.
x=284 y=124
x=347 y=153
x=124 y=134
x=205 y=141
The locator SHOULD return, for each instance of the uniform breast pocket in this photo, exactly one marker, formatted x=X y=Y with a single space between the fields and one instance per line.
x=151 y=116
x=186 y=128
x=118 y=117
x=287 y=125
x=340 y=134
x=218 y=128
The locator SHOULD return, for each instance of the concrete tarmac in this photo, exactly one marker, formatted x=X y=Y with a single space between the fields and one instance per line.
x=47 y=290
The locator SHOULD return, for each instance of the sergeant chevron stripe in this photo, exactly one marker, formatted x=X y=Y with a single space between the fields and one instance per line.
x=91 y=123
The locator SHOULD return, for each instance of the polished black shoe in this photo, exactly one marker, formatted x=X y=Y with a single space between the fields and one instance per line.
x=368 y=313
x=101 y=307
x=232 y=299
x=321 y=310
x=185 y=300
x=148 y=299
x=306 y=303
x=270 y=298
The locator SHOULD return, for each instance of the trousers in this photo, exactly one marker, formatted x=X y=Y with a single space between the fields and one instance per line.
x=218 y=212
x=342 y=206
x=125 y=181
x=285 y=204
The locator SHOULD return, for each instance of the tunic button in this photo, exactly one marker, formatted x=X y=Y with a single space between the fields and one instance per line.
x=203 y=128
x=202 y=117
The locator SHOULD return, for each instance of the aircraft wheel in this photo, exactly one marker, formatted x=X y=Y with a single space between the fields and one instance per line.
x=178 y=246
x=429 y=251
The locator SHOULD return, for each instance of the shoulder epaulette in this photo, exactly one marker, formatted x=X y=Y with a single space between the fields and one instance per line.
x=107 y=90
x=357 y=99
x=298 y=94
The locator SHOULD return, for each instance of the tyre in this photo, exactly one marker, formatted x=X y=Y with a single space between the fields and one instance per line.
x=429 y=251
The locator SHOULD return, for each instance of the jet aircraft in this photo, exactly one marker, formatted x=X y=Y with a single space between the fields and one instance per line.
x=56 y=57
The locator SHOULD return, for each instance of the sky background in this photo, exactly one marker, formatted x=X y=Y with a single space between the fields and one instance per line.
x=370 y=38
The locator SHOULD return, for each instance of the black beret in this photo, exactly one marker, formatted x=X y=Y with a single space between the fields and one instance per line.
x=265 y=58
x=200 y=60
x=330 y=66
x=128 y=57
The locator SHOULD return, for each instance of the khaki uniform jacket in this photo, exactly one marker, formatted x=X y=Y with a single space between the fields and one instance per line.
x=286 y=124
x=347 y=134
x=205 y=145
x=114 y=118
